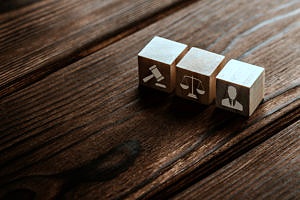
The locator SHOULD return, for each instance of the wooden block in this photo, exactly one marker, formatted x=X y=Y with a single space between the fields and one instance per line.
x=240 y=87
x=196 y=75
x=157 y=63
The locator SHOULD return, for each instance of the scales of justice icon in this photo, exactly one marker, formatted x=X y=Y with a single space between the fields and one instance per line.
x=194 y=84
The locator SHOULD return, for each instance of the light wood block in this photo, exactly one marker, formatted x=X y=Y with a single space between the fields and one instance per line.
x=240 y=87
x=157 y=63
x=196 y=75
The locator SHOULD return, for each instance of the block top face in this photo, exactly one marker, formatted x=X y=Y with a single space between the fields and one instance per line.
x=240 y=73
x=162 y=50
x=200 y=61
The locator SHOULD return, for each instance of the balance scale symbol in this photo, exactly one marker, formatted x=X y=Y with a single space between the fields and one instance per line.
x=185 y=85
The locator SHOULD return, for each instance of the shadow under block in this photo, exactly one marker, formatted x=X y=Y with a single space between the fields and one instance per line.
x=196 y=75
x=157 y=63
x=240 y=87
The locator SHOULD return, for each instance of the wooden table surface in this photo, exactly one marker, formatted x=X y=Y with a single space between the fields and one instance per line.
x=75 y=125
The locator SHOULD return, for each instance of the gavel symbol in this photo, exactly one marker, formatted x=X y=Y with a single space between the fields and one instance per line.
x=156 y=74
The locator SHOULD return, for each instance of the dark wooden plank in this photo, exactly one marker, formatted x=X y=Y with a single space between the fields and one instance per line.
x=14 y=4
x=269 y=171
x=92 y=108
x=45 y=36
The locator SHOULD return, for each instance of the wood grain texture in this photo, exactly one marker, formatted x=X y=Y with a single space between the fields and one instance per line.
x=14 y=4
x=43 y=37
x=82 y=113
x=269 y=171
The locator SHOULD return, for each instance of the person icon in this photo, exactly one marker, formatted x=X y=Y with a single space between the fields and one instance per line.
x=231 y=102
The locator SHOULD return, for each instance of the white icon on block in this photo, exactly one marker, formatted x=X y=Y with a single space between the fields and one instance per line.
x=155 y=73
x=231 y=102
x=185 y=84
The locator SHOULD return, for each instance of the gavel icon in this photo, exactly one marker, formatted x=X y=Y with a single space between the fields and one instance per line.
x=155 y=73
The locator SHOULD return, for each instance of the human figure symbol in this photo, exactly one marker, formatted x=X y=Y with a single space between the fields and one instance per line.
x=231 y=102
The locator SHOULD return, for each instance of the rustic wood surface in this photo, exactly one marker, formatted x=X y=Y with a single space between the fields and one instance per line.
x=87 y=131
x=269 y=171
x=48 y=35
x=14 y=4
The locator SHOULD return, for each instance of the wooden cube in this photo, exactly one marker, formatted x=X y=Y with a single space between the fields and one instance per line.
x=240 y=87
x=157 y=63
x=196 y=75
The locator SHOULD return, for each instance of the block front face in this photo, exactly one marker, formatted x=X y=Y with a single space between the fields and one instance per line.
x=232 y=97
x=157 y=62
x=196 y=73
x=240 y=87
x=192 y=86
x=156 y=75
